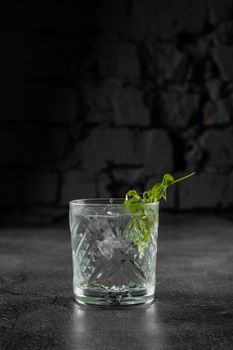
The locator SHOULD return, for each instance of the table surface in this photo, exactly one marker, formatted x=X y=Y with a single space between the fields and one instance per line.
x=193 y=307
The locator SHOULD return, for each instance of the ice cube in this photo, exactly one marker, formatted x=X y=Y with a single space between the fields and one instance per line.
x=108 y=233
x=107 y=247
x=98 y=223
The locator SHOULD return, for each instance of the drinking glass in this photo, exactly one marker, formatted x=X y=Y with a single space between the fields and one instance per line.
x=108 y=266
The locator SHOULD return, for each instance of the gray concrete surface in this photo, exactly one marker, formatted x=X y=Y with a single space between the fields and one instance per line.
x=193 y=307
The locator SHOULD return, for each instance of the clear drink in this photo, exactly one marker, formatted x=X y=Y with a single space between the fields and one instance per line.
x=107 y=266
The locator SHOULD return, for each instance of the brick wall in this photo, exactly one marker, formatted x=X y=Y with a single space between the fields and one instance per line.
x=100 y=98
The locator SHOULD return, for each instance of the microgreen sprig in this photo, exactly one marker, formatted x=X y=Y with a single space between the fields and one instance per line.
x=140 y=228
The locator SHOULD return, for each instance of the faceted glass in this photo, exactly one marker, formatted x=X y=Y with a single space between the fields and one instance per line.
x=107 y=266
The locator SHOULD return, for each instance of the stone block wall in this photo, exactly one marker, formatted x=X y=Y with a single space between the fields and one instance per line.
x=100 y=98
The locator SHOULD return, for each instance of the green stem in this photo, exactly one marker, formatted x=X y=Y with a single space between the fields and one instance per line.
x=183 y=178
x=153 y=240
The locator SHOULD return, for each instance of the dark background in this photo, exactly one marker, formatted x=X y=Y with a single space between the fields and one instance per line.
x=99 y=97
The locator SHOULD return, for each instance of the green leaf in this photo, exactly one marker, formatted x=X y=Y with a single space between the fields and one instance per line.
x=153 y=193
x=168 y=179
x=133 y=194
x=142 y=223
x=133 y=205
x=133 y=201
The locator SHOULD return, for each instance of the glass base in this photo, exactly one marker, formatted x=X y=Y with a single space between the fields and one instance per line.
x=108 y=298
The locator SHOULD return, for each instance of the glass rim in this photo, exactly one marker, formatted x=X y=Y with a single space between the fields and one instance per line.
x=103 y=202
